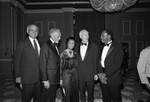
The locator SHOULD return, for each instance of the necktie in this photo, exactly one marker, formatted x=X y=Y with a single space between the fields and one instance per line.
x=35 y=47
x=55 y=44
x=84 y=44
x=107 y=44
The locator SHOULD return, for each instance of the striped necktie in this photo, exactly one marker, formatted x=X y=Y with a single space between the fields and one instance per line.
x=35 y=47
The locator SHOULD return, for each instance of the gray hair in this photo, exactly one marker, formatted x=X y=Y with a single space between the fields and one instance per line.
x=82 y=31
x=29 y=27
x=53 y=30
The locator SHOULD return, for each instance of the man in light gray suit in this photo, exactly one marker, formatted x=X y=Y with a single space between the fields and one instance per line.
x=143 y=67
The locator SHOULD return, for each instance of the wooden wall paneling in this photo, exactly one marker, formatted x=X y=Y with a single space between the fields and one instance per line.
x=94 y=22
x=139 y=27
x=129 y=46
x=139 y=47
x=129 y=50
x=51 y=24
x=40 y=26
x=115 y=23
x=22 y=25
x=126 y=27
x=13 y=30
x=6 y=39
x=68 y=29
x=133 y=27
x=13 y=37
x=61 y=20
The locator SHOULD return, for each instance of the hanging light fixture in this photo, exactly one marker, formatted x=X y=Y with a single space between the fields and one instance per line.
x=111 y=5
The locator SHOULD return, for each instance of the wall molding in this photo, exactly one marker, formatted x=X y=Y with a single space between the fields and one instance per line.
x=62 y=10
x=140 y=27
x=138 y=47
x=126 y=25
x=8 y=60
x=15 y=3
x=40 y=26
x=43 y=11
x=56 y=3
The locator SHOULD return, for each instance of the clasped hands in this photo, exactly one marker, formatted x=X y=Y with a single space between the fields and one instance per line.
x=18 y=80
x=102 y=77
x=47 y=84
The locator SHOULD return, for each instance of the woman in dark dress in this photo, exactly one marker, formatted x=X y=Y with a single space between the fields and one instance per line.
x=69 y=73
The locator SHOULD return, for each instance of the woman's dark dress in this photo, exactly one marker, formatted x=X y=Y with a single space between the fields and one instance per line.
x=69 y=77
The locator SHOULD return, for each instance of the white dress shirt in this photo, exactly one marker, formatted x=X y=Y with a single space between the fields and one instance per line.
x=37 y=43
x=55 y=46
x=83 y=49
x=104 y=53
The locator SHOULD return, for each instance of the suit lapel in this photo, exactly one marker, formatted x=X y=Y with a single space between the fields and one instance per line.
x=50 y=44
x=110 y=49
x=100 y=54
x=31 y=47
x=87 y=51
x=79 y=52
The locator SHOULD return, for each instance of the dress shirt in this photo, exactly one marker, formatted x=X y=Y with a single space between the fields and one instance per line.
x=36 y=41
x=143 y=65
x=104 y=53
x=83 y=49
x=55 y=46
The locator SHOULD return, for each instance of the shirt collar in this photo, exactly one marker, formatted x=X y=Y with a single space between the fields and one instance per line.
x=52 y=40
x=85 y=43
x=31 y=39
x=109 y=42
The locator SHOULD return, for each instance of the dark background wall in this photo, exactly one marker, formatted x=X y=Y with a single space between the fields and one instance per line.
x=5 y=39
x=129 y=26
x=46 y=21
x=132 y=28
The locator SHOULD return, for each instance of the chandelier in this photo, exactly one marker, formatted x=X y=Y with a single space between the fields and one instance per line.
x=111 y=5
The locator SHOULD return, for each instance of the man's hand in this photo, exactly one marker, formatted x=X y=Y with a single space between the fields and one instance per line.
x=102 y=77
x=95 y=77
x=18 y=80
x=61 y=82
x=104 y=81
x=46 y=84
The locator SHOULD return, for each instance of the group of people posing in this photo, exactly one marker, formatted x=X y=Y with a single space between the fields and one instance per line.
x=76 y=69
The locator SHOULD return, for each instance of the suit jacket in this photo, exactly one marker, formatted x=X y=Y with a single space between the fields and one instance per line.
x=112 y=63
x=87 y=68
x=143 y=65
x=50 y=63
x=26 y=62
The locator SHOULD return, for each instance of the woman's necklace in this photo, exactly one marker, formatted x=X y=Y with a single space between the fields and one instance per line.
x=69 y=53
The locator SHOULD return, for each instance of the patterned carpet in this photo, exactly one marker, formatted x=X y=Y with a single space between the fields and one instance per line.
x=131 y=92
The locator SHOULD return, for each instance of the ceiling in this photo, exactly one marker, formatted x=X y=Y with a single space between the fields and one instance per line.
x=57 y=4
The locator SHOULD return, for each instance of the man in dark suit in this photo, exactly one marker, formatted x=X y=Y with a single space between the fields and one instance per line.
x=27 y=65
x=110 y=60
x=86 y=56
x=50 y=64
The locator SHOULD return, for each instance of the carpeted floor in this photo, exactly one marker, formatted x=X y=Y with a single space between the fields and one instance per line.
x=131 y=92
